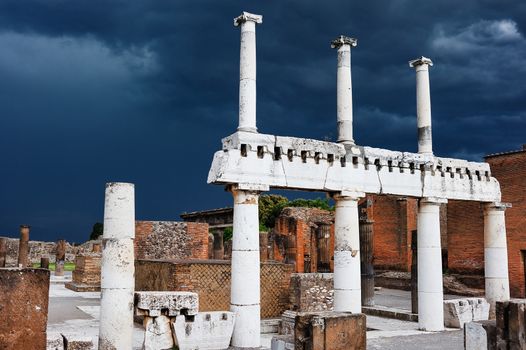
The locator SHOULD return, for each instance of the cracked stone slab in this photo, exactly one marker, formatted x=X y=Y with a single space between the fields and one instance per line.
x=458 y=312
x=204 y=331
x=166 y=303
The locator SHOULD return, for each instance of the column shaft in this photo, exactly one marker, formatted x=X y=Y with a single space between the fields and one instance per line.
x=117 y=270
x=423 y=104
x=367 y=267
x=347 y=285
x=219 y=249
x=23 y=247
x=430 y=291
x=60 y=258
x=245 y=283
x=247 y=71
x=495 y=255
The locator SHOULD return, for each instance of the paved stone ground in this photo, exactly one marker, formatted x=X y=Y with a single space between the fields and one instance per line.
x=78 y=313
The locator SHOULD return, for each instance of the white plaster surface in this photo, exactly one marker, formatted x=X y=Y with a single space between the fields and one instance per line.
x=458 y=312
x=207 y=331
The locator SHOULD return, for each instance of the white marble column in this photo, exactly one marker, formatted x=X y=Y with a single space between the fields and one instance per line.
x=495 y=255
x=245 y=283
x=344 y=88
x=117 y=270
x=347 y=274
x=247 y=71
x=430 y=289
x=423 y=104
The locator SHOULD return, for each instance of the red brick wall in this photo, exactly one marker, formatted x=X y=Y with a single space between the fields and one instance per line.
x=510 y=171
x=465 y=237
x=394 y=219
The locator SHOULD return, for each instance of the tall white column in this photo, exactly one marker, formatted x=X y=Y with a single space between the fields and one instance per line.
x=247 y=71
x=495 y=255
x=117 y=270
x=344 y=88
x=423 y=104
x=430 y=289
x=347 y=275
x=245 y=282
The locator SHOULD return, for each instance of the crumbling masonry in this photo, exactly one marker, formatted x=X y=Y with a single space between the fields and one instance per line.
x=250 y=163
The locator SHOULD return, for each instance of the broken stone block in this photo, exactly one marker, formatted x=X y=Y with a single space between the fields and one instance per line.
x=166 y=303
x=286 y=326
x=204 y=331
x=480 y=335
x=329 y=331
x=457 y=312
x=24 y=296
x=157 y=333
x=282 y=342
x=77 y=342
x=55 y=341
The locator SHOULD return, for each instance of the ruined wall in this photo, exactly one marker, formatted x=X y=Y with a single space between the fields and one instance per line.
x=465 y=237
x=311 y=292
x=24 y=297
x=510 y=171
x=211 y=280
x=86 y=276
x=38 y=249
x=394 y=219
x=171 y=240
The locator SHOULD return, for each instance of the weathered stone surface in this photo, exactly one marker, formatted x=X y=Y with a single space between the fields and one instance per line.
x=55 y=341
x=480 y=335
x=24 y=296
x=511 y=324
x=329 y=331
x=167 y=303
x=311 y=292
x=206 y=330
x=158 y=333
x=282 y=342
x=87 y=273
x=76 y=342
x=457 y=312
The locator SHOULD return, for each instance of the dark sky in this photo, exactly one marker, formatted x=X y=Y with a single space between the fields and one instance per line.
x=143 y=91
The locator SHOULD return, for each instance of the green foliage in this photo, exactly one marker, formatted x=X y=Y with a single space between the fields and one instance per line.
x=97 y=230
x=270 y=206
x=68 y=266
x=227 y=234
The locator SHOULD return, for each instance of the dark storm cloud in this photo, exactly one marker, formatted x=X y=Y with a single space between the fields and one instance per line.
x=142 y=91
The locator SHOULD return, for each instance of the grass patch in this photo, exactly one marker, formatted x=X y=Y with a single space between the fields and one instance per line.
x=68 y=266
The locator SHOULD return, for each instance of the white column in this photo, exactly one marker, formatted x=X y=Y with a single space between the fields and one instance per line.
x=495 y=255
x=117 y=270
x=245 y=283
x=347 y=275
x=430 y=290
x=423 y=104
x=344 y=88
x=247 y=71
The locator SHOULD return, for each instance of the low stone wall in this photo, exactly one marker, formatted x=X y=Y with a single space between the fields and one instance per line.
x=38 y=249
x=210 y=279
x=24 y=297
x=311 y=292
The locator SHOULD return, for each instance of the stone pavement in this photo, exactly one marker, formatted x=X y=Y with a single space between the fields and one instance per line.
x=78 y=313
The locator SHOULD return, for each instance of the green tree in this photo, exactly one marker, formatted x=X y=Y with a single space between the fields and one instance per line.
x=97 y=230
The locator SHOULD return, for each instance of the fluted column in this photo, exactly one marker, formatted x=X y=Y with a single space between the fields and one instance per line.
x=344 y=88
x=423 y=104
x=247 y=71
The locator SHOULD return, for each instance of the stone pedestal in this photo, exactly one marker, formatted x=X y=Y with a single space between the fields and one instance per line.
x=24 y=296
x=206 y=331
x=511 y=324
x=480 y=335
x=457 y=312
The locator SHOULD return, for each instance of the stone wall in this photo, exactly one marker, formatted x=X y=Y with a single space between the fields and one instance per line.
x=311 y=292
x=86 y=276
x=211 y=280
x=38 y=249
x=171 y=240
x=24 y=297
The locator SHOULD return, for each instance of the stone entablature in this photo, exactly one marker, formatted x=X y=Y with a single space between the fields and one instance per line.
x=288 y=162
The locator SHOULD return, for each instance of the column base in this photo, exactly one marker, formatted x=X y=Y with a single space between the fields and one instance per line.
x=431 y=311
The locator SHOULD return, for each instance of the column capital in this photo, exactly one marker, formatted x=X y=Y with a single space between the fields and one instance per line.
x=348 y=194
x=248 y=187
x=343 y=40
x=433 y=200
x=247 y=16
x=420 y=61
x=497 y=206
